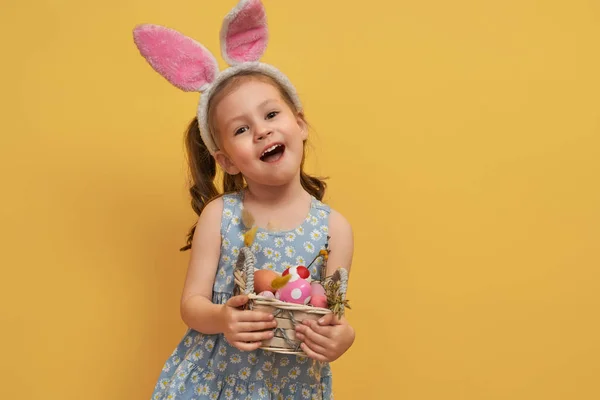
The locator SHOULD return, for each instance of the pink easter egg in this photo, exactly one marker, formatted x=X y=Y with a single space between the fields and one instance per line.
x=267 y=294
x=319 y=300
x=317 y=289
x=296 y=291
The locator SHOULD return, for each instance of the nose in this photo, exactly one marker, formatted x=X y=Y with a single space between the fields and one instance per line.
x=262 y=132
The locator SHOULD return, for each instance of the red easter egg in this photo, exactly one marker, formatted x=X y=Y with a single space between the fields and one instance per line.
x=300 y=270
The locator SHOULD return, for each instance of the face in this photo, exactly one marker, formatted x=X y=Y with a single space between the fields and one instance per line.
x=258 y=134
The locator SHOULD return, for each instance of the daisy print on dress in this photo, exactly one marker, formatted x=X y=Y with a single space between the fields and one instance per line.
x=209 y=376
x=252 y=359
x=197 y=355
x=269 y=252
x=240 y=389
x=290 y=251
x=275 y=373
x=259 y=375
x=290 y=236
x=226 y=243
x=300 y=230
x=294 y=372
x=268 y=265
x=278 y=242
x=315 y=235
x=308 y=246
x=262 y=236
x=222 y=366
x=230 y=380
x=255 y=248
x=209 y=345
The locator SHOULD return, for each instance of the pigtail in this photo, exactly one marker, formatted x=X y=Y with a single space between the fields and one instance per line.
x=313 y=185
x=203 y=170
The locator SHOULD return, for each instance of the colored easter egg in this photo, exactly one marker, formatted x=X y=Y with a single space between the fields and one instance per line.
x=263 y=279
x=267 y=294
x=318 y=300
x=300 y=270
x=317 y=289
x=296 y=291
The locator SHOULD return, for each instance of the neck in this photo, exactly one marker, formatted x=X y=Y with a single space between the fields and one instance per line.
x=276 y=195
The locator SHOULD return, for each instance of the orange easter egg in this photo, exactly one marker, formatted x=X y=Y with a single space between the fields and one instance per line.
x=263 y=279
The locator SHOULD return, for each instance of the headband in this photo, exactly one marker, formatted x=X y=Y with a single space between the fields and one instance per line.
x=189 y=66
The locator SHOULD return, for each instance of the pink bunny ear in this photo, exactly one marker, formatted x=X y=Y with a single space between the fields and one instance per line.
x=244 y=34
x=181 y=60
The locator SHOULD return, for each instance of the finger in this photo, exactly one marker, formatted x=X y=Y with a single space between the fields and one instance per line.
x=313 y=336
x=326 y=330
x=237 y=301
x=310 y=353
x=256 y=326
x=313 y=346
x=246 y=346
x=253 y=336
x=329 y=319
x=254 y=316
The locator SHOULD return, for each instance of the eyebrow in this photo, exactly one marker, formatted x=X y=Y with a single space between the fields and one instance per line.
x=267 y=101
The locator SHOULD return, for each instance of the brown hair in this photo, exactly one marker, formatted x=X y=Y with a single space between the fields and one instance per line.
x=203 y=167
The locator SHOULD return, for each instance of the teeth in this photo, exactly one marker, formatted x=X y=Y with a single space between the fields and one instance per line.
x=270 y=149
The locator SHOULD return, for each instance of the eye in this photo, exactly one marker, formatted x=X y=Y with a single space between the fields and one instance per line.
x=272 y=114
x=241 y=130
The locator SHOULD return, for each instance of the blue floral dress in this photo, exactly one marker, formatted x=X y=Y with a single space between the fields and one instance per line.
x=207 y=366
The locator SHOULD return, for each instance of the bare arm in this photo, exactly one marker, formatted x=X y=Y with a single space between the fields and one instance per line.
x=243 y=329
x=197 y=308
x=330 y=337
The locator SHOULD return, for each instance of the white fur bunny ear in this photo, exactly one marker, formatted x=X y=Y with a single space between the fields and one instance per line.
x=244 y=34
x=182 y=61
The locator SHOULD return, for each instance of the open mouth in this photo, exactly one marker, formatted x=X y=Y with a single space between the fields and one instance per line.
x=272 y=153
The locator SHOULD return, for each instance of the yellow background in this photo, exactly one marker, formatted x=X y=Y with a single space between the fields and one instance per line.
x=462 y=139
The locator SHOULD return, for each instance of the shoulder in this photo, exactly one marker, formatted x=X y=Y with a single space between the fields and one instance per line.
x=213 y=210
x=339 y=224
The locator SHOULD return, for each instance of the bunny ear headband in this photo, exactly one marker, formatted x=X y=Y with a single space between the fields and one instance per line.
x=189 y=66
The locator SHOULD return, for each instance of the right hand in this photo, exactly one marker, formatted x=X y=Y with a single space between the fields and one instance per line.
x=245 y=329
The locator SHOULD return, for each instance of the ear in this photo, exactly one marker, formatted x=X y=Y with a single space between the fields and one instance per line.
x=303 y=125
x=225 y=163
x=182 y=61
x=244 y=33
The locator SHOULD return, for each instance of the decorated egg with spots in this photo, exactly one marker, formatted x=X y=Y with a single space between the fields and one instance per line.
x=300 y=271
x=296 y=291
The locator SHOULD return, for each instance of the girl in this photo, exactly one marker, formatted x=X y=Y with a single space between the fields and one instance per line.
x=250 y=122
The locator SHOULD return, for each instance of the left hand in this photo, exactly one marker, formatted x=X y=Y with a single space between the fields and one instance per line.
x=327 y=339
